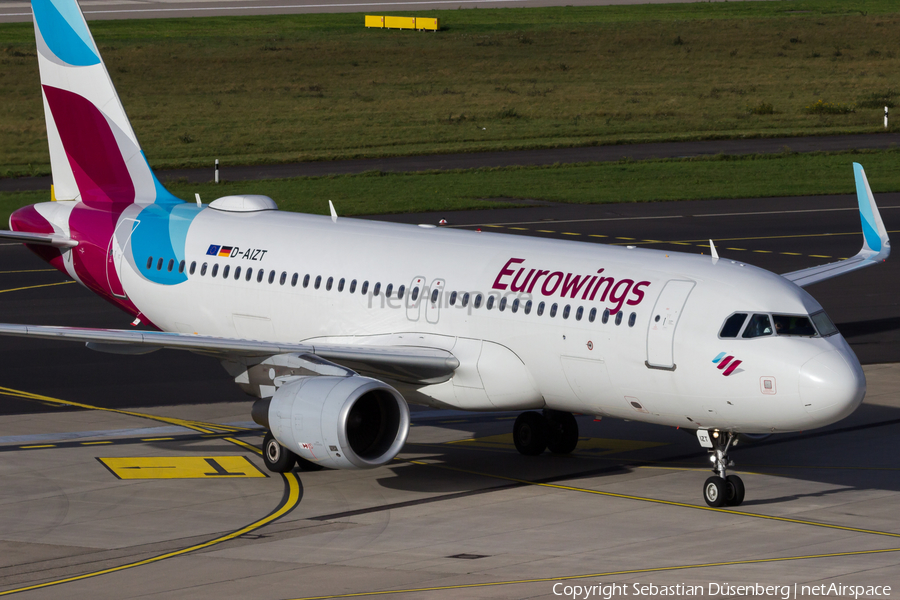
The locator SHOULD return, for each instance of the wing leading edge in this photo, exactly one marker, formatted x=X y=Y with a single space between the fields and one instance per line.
x=876 y=244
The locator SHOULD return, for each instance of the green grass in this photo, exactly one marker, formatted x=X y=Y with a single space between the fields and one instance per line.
x=655 y=180
x=303 y=87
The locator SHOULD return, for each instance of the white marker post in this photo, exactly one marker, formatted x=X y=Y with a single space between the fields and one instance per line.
x=885 y=116
x=217 y=161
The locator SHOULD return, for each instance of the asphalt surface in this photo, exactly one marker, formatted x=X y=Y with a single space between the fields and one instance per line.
x=474 y=160
x=16 y=11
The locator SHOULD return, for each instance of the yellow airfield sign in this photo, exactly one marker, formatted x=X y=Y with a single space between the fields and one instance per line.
x=181 y=467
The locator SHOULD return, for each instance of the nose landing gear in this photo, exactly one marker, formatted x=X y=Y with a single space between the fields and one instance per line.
x=721 y=489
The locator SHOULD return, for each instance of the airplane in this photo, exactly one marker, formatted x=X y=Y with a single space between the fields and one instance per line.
x=335 y=323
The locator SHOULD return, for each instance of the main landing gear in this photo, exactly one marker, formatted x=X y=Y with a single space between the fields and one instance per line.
x=279 y=459
x=721 y=489
x=552 y=430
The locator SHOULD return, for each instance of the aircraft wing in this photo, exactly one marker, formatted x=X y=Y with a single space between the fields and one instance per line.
x=876 y=245
x=409 y=363
x=41 y=239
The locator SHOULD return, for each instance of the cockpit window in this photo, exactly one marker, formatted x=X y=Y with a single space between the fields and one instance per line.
x=823 y=324
x=793 y=325
x=733 y=325
x=757 y=326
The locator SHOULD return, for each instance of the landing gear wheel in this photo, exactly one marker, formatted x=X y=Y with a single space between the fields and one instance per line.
x=715 y=491
x=562 y=431
x=308 y=465
x=735 y=490
x=530 y=433
x=278 y=459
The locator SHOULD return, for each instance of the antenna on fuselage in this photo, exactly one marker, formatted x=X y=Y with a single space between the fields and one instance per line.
x=333 y=212
x=197 y=197
x=712 y=250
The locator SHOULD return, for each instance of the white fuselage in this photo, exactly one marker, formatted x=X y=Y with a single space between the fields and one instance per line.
x=511 y=360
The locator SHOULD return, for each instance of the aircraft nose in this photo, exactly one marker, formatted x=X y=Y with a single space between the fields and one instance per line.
x=832 y=385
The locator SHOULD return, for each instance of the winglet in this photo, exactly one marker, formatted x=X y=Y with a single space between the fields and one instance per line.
x=333 y=212
x=875 y=237
x=876 y=244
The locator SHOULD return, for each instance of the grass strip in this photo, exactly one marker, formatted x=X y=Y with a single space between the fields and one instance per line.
x=310 y=87
x=705 y=178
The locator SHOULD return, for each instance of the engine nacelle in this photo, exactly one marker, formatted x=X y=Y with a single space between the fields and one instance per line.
x=338 y=422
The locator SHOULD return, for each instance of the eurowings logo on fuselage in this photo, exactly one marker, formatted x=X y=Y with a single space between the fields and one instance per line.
x=570 y=285
x=726 y=363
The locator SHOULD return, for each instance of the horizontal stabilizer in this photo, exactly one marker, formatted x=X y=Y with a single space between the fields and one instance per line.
x=40 y=239
x=414 y=363
x=876 y=244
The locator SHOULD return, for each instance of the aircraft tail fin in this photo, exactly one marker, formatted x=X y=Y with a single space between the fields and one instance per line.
x=94 y=155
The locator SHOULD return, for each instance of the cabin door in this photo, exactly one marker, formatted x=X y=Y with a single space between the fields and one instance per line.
x=116 y=252
x=663 y=321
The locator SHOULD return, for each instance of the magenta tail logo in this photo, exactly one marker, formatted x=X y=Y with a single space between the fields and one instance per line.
x=726 y=363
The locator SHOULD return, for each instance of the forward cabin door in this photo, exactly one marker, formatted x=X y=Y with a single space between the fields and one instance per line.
x=663 y=321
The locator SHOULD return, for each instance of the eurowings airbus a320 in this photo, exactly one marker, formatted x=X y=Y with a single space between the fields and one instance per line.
x=334 y=341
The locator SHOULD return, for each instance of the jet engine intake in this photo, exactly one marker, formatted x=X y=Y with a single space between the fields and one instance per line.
x=338 y=422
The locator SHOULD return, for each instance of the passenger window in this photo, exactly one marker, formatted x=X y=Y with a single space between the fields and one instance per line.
x=415 y=294
x=329 y=284
x=318 y=281
x=757 y=326
x=465 y=299
x=477 y=303
x=619 y=318
x=237 y=273
x=389 y=289
x=823 y=324
x=400 y=292
x=632 y=318
x=490 y=303
x=353 y=286
x=515 y=305
x=294 y=278
x=271 y=277
x=502 y=304
x=733 y=325
x=171 y=265
x=605 y=318
x=159 y=264
x=434 y=295
x=364 y=288
x=579 y=313
x=181 y=267
x=215 y=270
x=193 y=267
x=249 y=275
x=259 y=275
x=592 y=315
x=225 y=271
x=540 y=310
x=566 y=311
x=341 y=285
x=376 y=289
x=203 y=269
x=553 y=310
x=306 y=280
x=452 y=298
x=793 y=325
x=528 y=307
x=149 y=262
x=283 y=279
